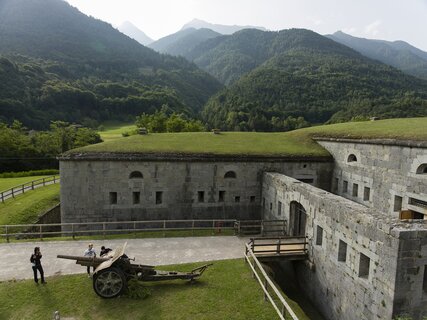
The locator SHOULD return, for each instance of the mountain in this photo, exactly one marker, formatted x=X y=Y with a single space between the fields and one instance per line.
x=133 y=32
x=229 y=57
x=300 y=77
x=183 y=42
x=398 y=54
x=222 y=29
x=73 y=58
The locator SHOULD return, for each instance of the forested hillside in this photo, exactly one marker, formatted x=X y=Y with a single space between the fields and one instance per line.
x=70 y=58
x=313 y=80
x=229 y=57
x=398 y=54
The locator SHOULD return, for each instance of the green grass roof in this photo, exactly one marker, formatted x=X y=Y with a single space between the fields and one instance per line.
x=298 y=143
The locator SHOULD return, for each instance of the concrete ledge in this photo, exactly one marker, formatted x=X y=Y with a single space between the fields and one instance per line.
x=389 y=142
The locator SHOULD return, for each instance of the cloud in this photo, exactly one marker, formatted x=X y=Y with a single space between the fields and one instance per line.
x=373 y=28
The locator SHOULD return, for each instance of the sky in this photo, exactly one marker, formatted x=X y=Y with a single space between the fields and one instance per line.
x=375 y=19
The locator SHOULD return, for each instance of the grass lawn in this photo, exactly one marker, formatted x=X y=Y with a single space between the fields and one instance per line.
x=7 y=183
x=26 y=207
x=113 y=130
x=298 y=143
x=225 y=291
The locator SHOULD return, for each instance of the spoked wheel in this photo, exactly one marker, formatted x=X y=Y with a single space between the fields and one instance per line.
x=109 y=283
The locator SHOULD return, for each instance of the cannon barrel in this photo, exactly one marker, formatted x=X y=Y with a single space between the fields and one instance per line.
x=83 y=258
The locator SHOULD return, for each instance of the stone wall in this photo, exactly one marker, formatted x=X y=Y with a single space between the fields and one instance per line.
x=102 y=190
x=386 y=175
x=362 y=264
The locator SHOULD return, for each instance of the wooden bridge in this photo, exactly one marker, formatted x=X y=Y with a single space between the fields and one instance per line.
x=279 y=248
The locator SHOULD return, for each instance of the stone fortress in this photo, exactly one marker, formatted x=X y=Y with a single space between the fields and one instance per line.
x=363 y=209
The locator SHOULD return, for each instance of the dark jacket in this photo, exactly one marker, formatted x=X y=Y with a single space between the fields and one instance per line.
x=35 y=258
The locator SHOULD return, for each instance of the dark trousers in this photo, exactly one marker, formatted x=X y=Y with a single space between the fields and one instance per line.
x=40 y=268
x=88 y=269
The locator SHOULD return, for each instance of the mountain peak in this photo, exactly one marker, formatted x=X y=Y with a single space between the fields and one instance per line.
x=223 y=29
x=129 y=29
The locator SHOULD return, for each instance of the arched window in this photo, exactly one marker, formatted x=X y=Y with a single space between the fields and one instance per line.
x=136 y=175
x=422 y=169
x=352 y=158
x=230 y=175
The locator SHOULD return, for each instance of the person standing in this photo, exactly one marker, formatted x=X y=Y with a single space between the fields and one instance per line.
x=36 y=265
x=104 y=251
x=90 y=252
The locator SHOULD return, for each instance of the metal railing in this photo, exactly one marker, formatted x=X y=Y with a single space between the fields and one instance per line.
x=271 y=293
x=262 y=227
x=41 y=231
x=31 y=185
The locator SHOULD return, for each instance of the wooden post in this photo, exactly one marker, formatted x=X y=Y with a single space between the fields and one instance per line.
x=213 y=226
x=72 y=231
x=134 y=229
x=192 y=228
x=164 y=228
x=7 y=234
x=44 y=182
x=103 y=229
x=23 y=188
x=13 y=195
x=266 y=288
x=32 y=185
x=2 y=197
x=283 y=311
x=262 y=228
x=54 y=180
x=278 y=246
x=41 y=234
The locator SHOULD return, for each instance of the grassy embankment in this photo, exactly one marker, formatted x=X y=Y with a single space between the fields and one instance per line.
x=26 y=208
x=298 y=143
x=113 y=130
x=225 y=291
x=7 y=183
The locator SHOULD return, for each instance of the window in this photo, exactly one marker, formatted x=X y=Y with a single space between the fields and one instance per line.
x=201 y=196
x=221 y=196
x=422 y=169
x=418 y=203
x=236 y=199
x=230 y=175
x=425 y=280
x=352 y=158
x=113 y=197
x=263 y=202
x=336 y=184
x=319 y=235
x=136 y=197
x=136 y=175
x=397 y=203
x=355 y=189
x=252 y=199
x=159 y=197
x=279 y=208
x=345 y=186
x=364 y=266
x=271 y=206
x=366 y=194
x=342 y=251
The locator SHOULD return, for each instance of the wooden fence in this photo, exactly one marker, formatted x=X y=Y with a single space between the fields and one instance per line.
x=12 y=192
x=271 y=293
x=41 y=231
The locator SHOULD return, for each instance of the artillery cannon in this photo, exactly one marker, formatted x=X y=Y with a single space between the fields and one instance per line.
x=114 y=271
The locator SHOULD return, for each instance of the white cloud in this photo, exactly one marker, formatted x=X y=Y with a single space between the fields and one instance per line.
x=350 y=30
x=373 y=28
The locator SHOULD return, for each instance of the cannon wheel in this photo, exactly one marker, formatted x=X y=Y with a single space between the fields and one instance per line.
x=109 y=283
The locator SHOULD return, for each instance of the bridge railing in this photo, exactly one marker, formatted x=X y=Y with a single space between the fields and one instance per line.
x=263 y=227
x=279 y=245
x=41 y=231
x=271 y=293
x=31 y=185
